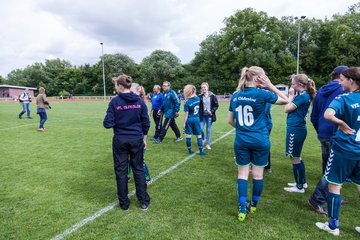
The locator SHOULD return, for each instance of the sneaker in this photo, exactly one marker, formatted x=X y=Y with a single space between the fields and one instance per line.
x=29 y=118
x=294 y=185
x=357 y=229
x=149 y=182
x=41 y=130
x=153 y=139
x=144 y=206
x=294 y=189
x=344 y=201
x=241 y=216
x=250 y=208
x=157 y=140
x=125 y=209
x=208 y=147
x=268 y=170
x=325 y=227
x=178 y=139
x=202 y=153
x=191 y=152
x=317 y=208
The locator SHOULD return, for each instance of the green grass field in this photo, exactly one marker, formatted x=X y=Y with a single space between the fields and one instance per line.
x=53 y=180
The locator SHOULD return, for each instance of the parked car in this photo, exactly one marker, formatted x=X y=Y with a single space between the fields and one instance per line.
x=227 y=95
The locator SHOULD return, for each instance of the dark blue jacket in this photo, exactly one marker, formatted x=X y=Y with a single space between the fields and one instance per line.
x=127 y=114
x=324 y=96
x=170 y=104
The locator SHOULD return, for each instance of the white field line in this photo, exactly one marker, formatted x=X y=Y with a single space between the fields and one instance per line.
x=87 y=220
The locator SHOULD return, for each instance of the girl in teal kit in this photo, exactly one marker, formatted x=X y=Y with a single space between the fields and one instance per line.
x=344 y=160
x=251 y=145
x=191 y=123
x=296 y=130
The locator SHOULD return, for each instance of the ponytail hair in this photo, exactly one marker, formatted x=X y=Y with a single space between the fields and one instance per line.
x=189 y=90
x=307 y=83
x=138 y=90
x=123 y=80
x=248 y=74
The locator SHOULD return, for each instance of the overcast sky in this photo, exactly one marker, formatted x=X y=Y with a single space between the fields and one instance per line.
x=34 y=30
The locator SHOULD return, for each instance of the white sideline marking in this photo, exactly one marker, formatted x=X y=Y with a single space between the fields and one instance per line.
x=132 y=193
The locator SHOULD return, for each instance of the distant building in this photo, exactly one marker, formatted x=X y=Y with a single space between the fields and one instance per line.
x=9 y=91
x=283 y=88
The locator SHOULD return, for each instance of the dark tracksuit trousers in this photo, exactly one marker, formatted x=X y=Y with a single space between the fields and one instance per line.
x=169 y=122
x=123 y=150
x=157 y=119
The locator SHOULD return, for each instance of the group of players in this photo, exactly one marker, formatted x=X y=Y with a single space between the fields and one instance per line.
x=127 y=115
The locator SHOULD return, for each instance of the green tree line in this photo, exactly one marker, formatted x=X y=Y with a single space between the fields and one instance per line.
x=248 y=38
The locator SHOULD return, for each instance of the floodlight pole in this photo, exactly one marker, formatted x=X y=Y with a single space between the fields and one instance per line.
x=103 y=68
x=298 y=43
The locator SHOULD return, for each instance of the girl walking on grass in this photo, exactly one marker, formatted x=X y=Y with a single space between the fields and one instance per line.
x=296 y=131
x=42 y=104
x=252 y=144
x=191 y=123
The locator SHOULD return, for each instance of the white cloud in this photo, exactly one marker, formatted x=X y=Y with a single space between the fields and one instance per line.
x=72 y=30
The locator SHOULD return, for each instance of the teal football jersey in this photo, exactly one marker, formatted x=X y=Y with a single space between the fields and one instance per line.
x=192 y=105
x=297 y=118
x=347 y=108
x=249 y=107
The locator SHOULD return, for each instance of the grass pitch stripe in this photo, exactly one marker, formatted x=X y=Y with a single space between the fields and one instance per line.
x=87 y=220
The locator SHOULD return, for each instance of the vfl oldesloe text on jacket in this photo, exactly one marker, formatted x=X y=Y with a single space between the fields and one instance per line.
x=127 y=114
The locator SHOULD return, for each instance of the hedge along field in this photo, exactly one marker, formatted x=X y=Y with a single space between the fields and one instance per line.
x=53 y=180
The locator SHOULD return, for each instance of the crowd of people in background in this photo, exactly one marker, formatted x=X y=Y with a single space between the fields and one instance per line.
x=335 y=116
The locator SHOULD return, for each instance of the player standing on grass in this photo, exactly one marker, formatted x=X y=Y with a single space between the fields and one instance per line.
x=191 y=123
x=252 y=144
x=344 y=160
x=296 y=131
x=324 y=130
x=127 y=114
x=140 y=91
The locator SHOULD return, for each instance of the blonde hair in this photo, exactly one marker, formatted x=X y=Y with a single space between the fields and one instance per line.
x=307 y=83
x=206 y=84
x=123 y=80
x=41 y=90
x=248 y=74
x=189 y=90
x=138 y=90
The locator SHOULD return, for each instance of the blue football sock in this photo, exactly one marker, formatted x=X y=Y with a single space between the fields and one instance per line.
x=334 y=204
x=200 y=144
x=242 y=187
x=188 y=144
x=297 y=173
x=303 y=172
x=258 y=186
